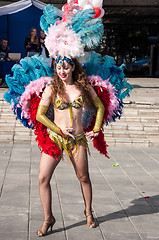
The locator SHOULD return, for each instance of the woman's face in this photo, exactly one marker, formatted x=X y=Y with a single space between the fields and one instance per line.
x=64 y=71
x=42 y=34
x=33 y=32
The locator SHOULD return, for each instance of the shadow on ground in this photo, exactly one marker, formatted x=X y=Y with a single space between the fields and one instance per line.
x=141 y=206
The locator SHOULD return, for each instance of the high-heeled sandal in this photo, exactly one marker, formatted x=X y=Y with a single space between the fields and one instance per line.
x=92 y=223
x=49 y=224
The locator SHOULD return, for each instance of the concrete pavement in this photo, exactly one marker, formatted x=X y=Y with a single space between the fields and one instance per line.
x=125 y=187
x=125 y=202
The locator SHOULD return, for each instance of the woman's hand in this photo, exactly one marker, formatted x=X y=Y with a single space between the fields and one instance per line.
x=92 y=134
x=67 y=132
x=41 y=40
x=28 y=46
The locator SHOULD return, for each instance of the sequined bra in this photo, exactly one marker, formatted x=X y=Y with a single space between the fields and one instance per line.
x=61 y=105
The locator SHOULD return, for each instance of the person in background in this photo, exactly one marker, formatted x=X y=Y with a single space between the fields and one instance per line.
x=43 y=49
x=4 y=50
x=32 y=44
x=5 y=64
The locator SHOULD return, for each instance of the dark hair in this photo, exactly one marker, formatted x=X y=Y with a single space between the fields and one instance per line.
x=4 y=39
x=80 y=80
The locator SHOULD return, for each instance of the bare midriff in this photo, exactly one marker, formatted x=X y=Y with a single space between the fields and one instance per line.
x=63 y=119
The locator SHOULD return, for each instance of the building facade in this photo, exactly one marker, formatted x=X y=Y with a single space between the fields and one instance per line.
x=131 y=30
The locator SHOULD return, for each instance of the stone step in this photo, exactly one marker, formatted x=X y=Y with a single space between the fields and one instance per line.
x=135 y=142
x=138 y=126
x=133 y=126
x=134 y=134
x=152 y=119
x=136 y=111
x=140 y=106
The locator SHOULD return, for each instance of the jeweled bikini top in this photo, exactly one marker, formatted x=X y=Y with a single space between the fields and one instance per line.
x=61 y=105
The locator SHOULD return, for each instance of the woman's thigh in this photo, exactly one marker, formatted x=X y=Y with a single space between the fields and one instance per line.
x=80 y=161
x=47 y=166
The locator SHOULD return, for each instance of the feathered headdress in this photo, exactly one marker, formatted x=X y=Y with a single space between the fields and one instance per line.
x=78 y=27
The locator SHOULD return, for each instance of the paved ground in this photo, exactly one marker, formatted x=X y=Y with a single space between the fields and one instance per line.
x=126 y=196
x=146 y=90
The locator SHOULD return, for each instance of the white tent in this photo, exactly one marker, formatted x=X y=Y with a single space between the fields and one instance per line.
x=20 y=5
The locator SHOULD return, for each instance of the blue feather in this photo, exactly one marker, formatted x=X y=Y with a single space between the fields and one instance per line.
x=88 y=28
x=23 y=120
x=43 y=24
x=29 y=69
x=105 y=67
x=49 y=17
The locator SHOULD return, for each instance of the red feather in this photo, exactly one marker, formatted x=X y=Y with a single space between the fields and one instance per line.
x=45 y=144
x=98 y=142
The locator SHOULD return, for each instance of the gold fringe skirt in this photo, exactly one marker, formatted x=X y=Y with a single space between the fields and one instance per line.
x=68 y=144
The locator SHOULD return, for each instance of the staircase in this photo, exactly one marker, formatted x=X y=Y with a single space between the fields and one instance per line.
x=138 y=126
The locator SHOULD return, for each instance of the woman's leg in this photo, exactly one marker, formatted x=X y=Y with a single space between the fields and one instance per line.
x=46 y=169
x=80 y=163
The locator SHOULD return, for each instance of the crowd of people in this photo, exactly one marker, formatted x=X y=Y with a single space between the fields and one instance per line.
x=33 y=45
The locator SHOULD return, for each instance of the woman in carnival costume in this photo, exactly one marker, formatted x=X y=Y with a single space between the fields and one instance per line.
x=68 y=92
x=69 y=106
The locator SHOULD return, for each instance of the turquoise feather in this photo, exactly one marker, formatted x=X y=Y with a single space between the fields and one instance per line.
x=43 y=24
x=49 y=17
x=29 y=69
x=88 y=28
x=105 y=67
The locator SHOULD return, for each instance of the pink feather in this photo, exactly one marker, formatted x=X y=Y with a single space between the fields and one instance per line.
x=63 y=41
x=114 y=103
x=37 y=87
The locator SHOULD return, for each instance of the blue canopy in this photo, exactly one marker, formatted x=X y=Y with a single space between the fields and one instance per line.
x=16 y=21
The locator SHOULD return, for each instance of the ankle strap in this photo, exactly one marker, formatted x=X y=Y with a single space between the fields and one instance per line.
x=87 y=214
x=49 y=220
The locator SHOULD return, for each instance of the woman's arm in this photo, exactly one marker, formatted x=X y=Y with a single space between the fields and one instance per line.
x=26 y=44
x=42 y=110
x=100 y=113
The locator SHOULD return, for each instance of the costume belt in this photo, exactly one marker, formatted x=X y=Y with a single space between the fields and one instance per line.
x=68 y=143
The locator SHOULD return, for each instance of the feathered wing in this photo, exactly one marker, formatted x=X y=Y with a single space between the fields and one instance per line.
x=29 y=69
x=26 y=86
x=104 y=66
x=29 y=103
x=111 y=87
x=106 y=93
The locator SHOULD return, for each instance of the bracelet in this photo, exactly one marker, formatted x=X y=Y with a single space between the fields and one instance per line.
x=61 y=132
x=96 y=131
